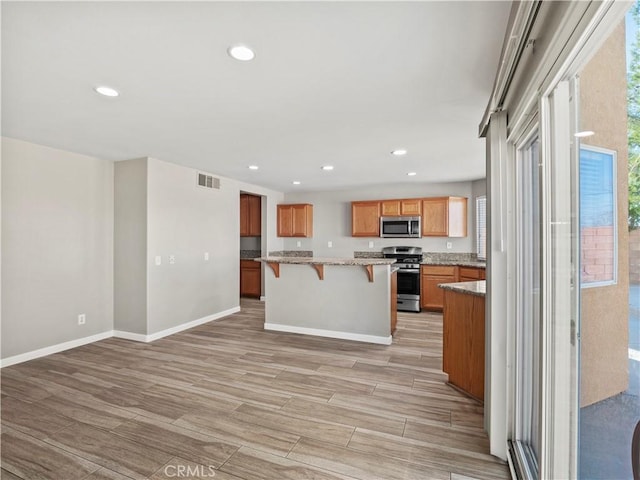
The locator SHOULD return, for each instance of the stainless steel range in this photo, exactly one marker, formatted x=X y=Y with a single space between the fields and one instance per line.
x=408 y=260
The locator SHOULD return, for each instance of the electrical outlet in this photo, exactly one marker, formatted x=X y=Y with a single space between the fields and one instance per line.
x=82 y=319
x=158 y=260
x=298 y=243
x=449 y=245
x=370 y=244
x=206 y=256
x=172 y=259
x=329 y=244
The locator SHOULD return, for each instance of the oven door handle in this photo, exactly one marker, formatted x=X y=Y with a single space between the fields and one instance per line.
x=416 y=271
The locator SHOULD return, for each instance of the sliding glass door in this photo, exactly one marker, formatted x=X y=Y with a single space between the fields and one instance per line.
x=526 y=440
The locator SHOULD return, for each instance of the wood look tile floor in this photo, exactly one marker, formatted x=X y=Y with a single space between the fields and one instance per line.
x=229 y=401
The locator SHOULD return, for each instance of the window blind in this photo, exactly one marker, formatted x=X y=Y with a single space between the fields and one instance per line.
x=481 y=227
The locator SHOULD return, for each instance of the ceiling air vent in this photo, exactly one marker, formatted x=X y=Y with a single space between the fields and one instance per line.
x=208 y=181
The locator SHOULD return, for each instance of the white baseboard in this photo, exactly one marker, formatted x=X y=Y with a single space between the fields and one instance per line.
x=138 y=337
x=191 y=324
x=60 y=347
x=358 y=337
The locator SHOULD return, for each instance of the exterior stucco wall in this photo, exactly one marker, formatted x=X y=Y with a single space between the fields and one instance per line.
x=605 y=310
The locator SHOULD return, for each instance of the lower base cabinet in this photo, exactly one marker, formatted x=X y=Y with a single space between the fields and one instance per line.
x=250 y=279
x=432 y=297
x=470 y=274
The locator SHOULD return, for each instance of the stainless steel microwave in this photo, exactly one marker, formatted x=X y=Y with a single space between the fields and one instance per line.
x=400 y=227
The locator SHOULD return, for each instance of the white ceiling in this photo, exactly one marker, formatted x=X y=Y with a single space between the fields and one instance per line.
x=340 y=83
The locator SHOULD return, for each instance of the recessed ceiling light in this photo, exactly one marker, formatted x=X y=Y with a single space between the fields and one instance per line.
x=586 y=133
x=296 y=182
x=241 y=52
x=327 y=167
x=107 y=91
x=399 y=152
x=412 y=174
x=253 y=167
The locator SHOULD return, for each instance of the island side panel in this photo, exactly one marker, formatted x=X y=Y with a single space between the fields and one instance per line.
x=345 y=301
x=464 y=341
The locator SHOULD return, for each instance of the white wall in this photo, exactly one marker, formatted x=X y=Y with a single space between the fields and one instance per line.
x=185 y=221
x=57 y=246
x=130 y=246
x=332 y=219
x=58 y=228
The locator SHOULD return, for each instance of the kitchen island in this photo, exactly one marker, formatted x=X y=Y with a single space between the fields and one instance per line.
x=463 y=325
x=347 y=298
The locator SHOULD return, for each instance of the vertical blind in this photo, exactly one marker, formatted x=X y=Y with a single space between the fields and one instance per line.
x=481 y=227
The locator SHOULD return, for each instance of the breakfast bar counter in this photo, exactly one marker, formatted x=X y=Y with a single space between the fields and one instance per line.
x=348 y=298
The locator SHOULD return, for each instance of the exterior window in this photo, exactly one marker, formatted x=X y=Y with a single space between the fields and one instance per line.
x=598 y=229
x=481 y=227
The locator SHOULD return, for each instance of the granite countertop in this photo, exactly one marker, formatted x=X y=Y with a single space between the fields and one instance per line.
x=457 y=263
x=327 y=261
x=249 y=254
x=478 y=288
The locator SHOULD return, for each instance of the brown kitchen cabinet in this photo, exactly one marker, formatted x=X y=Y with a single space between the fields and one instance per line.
x=389 y=208
x=250 y=215
x=444 y=217
x=432 y=297
x=470 y=274
x=250 y=279
x=295 y=220
x=365 y=219
x=463 y=325
x=410 y=207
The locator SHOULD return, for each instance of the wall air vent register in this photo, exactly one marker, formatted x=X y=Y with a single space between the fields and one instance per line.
x=208 y=181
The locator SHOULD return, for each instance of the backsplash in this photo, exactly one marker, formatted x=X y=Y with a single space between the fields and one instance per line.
x=367 y=255
x=429 y=256
x=449 y=256
x=291 y=253
x=249 y=254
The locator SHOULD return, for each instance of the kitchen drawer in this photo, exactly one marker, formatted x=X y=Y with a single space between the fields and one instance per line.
x=249 y=264
x=472 y=273
x=446 y=270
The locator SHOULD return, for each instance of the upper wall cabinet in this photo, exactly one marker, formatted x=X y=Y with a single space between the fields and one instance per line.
x=444 y=217
x=365 y=219
x=441 y=216
x=250 y=215
x=295 y=220
x=411 y=206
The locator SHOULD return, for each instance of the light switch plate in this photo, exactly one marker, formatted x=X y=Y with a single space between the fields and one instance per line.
x=370 y=244
x=206 y=256
x=329 y=244
x=158 y=260
x=298 y=243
